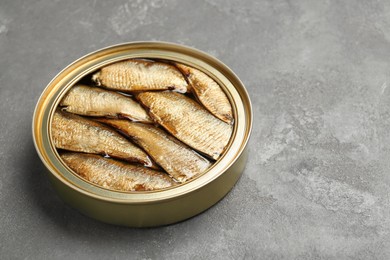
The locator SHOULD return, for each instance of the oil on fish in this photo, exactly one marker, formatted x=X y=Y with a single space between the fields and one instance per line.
x=208 y=92
x=116 y=175
x=176 y=158
x=75 y=133
x=188 y=121
x=92 y=101
x=140 y=75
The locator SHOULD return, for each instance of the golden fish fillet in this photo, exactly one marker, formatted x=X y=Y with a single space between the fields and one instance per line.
x=116 y=175
x=209 y=93
x=176 y=158
x=188 y=121
x=90 y=101
x=140 y=75
x=75 y=133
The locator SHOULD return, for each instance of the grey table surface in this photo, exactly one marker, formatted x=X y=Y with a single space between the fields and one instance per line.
x=316 y=185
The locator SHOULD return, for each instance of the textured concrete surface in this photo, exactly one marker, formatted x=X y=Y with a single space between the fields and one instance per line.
x=317 y=182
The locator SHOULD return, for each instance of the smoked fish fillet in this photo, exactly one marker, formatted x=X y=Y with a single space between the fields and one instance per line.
x=188 y=121
x=208 y=92
x=177 y=159
x=140 y=75
x=92 y=101
x=116 y=175
x=75 y=133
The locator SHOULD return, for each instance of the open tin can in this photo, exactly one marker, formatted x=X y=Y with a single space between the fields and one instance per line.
x=142 y=208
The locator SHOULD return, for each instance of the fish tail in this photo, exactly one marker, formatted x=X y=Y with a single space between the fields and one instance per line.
x=96 y=78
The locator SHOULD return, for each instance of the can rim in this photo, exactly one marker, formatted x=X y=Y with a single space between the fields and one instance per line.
x=73 y=72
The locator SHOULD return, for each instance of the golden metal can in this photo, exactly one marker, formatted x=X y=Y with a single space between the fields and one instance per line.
x=142 y=208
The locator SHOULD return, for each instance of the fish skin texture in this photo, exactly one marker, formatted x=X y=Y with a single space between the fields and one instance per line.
x=140 y=75
x=116 y=175
x=208 y=92
x=177 y=159
x=75 y=133
x=92 y=101
x=188 y=121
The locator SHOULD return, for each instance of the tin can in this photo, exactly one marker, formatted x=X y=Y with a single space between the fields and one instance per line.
x=145 y=209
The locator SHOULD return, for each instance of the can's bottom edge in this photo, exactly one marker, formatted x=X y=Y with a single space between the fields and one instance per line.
x=154 y=214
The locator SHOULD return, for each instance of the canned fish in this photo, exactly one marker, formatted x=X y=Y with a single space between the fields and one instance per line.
x=212 y=169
